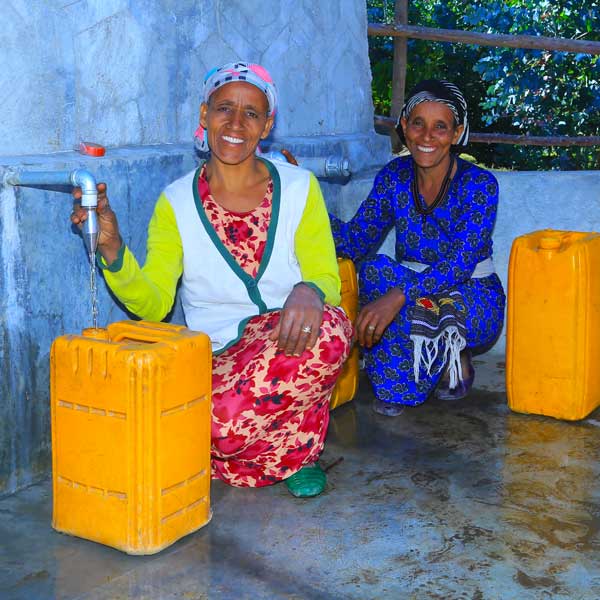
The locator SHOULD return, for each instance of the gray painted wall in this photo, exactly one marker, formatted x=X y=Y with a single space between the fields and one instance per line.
x=44 y=287
x=124 y=72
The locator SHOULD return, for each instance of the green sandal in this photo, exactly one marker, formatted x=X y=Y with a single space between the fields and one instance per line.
x=309 y=481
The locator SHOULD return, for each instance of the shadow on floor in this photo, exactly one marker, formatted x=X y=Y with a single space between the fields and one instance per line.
x=460 y=500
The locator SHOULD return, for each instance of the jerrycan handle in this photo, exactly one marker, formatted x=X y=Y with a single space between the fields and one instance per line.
x=549 y=243
x=144 y=331
x=134 y=336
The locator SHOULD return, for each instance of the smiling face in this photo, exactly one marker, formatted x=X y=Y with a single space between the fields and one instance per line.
x=430 y=131
x=235 y=119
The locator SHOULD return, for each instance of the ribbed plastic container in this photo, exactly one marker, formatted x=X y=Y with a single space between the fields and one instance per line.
x=347 y=382
x=553 y=324
x=130 y=409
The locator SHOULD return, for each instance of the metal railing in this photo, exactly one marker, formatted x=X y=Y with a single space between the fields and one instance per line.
x=400 y=30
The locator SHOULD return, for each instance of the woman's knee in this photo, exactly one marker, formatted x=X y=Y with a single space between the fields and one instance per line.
x=335 y=339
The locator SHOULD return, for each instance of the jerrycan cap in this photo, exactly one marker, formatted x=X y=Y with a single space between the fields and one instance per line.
x=549 y=243
x=99 y=333
x=91 y=149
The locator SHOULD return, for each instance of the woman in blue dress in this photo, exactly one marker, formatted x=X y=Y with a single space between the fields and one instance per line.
x=425 y=311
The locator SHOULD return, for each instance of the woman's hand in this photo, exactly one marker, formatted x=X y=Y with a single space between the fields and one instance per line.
x=374 y=318
x=300 y=321
x=109 y=240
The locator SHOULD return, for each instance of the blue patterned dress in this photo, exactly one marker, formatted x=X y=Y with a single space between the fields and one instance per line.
x=452 y=239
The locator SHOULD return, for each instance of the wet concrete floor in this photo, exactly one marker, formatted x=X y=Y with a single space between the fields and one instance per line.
x=460 y=500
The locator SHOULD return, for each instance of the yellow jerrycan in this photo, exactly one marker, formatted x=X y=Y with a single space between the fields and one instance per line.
x=347 y=382
x=130 y=410
x=553 y=324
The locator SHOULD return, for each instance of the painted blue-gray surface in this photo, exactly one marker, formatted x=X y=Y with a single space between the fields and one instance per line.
x=454 y=501
x=130 y=72
x=44 y=285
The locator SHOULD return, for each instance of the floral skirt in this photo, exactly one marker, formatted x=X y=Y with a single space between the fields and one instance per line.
x=270 y=411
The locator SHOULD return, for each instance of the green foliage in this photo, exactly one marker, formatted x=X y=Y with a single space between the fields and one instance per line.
x=509 y=90
x=382 y=86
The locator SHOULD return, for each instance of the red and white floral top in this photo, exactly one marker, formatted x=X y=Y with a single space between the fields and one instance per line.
x=244 y=234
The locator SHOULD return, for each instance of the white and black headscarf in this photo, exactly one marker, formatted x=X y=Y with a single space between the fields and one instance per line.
x=437 y=90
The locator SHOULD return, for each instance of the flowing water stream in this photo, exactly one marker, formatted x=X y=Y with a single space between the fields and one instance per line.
x=93 y=290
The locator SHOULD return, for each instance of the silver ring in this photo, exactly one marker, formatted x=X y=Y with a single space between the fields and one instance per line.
x=371 y=327
x=306 y=329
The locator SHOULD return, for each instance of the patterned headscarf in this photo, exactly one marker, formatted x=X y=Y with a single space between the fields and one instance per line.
x=435 y=90
x=230 y=73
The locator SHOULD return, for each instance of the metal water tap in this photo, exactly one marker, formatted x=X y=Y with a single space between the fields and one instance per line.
x=78 y=178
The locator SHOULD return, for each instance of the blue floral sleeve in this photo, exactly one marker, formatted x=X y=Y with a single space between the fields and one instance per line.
x=364 y=233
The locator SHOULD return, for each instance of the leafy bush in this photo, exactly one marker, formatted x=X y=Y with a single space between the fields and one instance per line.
x=509 y=90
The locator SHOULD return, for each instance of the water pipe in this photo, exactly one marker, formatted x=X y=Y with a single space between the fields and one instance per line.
x=77 y=178
x=326 y=166
x=323 y=166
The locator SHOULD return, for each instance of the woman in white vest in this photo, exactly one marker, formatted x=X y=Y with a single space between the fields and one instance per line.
x=251 y=241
